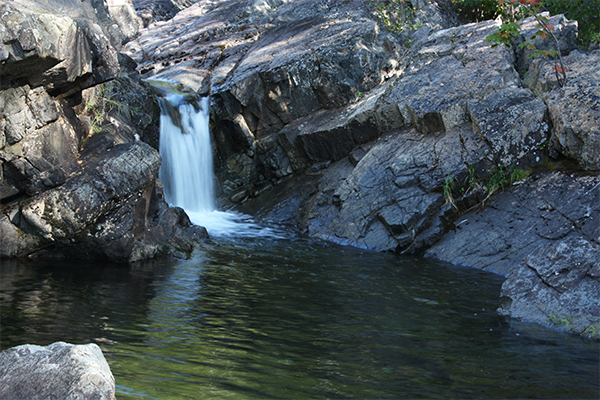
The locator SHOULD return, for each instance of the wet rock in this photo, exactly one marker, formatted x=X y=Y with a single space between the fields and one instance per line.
x=57 y=371
x=558 y=286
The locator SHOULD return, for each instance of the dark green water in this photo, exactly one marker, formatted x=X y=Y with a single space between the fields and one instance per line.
x=295 y=319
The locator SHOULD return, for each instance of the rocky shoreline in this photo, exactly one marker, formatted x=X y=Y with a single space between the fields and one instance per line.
x=321 y=119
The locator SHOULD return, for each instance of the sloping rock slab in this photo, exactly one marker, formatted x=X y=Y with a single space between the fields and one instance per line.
x=558 y=286
x=58 y=371
x=392 y=199
x=542 y=210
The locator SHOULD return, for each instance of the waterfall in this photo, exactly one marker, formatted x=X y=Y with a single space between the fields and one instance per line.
x=187 y=164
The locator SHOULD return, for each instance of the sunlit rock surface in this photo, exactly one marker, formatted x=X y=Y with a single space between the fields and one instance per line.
x=74 y=179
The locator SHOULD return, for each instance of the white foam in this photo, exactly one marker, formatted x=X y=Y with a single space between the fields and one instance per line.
x=187 y=168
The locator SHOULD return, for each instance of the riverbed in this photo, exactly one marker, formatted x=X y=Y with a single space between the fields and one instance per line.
x=292 y=318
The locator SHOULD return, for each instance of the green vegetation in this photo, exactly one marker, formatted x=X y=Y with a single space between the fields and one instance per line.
x=396 y=16
x=502 y=176
x=98 y=106
x=509 y=32
x=496 y=180
x=564 y=322
x=591 y=331
x=476 y=10
x=585 y=12
x=447 y=190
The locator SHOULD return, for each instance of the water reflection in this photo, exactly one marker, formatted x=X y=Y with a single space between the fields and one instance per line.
x=295 y=319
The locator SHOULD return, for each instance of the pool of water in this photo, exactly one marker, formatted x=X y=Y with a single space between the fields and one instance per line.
x=294 y=319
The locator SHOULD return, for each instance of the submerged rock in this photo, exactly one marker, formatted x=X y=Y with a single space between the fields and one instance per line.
x=58 y=371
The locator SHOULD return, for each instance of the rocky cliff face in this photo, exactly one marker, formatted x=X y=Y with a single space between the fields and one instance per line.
x=57 y=200
x=326 y=121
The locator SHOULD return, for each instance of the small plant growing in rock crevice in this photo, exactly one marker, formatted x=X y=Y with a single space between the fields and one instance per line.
x=449 y=183
x=496 y=180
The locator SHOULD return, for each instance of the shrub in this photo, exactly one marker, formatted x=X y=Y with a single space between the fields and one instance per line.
x=509 y=31
x=396 y=16
x=476 y=10
x=585 y=12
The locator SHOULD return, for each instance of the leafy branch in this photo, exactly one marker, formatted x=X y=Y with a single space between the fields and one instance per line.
x=509 y=31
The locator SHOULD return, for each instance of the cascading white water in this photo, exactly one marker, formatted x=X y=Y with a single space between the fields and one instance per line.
x=187 y=164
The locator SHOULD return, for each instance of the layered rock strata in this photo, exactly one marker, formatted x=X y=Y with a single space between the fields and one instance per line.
x=74 y=182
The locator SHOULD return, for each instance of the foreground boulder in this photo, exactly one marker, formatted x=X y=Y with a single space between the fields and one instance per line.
x=58 y=371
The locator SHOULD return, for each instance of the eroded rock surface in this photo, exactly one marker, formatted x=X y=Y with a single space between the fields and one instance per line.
x=75 y=181
x=575 y=109
x=58 y=371
x=535 y=214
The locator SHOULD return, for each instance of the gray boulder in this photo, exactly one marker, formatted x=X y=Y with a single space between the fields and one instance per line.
x=58 y=371
x=75 y=179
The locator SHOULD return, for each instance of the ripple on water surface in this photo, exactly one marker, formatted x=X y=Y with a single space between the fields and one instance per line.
x=281 y=318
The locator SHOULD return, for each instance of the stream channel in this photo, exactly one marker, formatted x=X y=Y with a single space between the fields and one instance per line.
x=259 y=313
